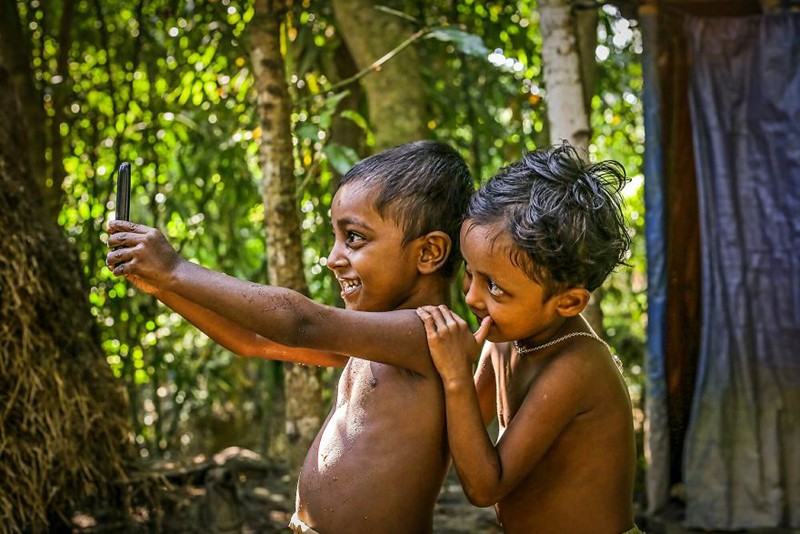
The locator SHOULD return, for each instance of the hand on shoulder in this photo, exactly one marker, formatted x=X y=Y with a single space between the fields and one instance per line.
x=452 y=345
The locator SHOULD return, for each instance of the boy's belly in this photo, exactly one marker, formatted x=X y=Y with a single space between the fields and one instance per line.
x=580 y=486
x=379 y=461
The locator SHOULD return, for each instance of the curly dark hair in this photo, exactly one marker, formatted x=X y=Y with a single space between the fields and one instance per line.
x=563 y=214
x=423 y=186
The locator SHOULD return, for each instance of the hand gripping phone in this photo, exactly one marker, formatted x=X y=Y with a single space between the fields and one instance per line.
x=123 y=205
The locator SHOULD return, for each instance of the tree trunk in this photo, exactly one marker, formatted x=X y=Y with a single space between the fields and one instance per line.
x=586 y=32
x=568 y=98
x=566 y=108
x=15 y=49
x=64 y=432
x=304 y=404
x=395 y=90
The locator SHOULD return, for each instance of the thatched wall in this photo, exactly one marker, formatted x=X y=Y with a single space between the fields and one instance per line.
x=64 y=439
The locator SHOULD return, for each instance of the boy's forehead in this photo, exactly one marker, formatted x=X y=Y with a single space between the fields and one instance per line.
x=354 y=197
x=490 y=250
x=353 y=191
x=356 y=202
x=484 y=241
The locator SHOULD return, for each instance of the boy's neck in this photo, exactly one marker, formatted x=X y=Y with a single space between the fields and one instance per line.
x=430 y=291
x=556 y=329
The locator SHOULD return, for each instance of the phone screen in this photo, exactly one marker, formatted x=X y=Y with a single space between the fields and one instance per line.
x=123 y=204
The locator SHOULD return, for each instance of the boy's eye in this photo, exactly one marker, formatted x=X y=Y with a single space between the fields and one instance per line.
x=353 y=237
x=494 y=289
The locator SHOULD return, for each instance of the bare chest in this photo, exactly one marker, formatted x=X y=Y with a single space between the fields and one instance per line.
x=376 y=407
x=514 y=376
x=372 y=397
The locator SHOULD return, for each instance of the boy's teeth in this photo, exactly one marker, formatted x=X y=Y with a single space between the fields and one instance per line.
x=348 y=286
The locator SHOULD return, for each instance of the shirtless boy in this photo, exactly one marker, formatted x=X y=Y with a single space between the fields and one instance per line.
x=379 y=460
x=538 y=237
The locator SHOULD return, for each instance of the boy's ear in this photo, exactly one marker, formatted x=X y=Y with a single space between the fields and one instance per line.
x=434 y=250
x=572 y=301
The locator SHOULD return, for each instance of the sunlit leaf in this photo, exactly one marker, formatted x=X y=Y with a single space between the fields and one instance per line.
x=307 y=131
x=467 y=43
x=341 y=157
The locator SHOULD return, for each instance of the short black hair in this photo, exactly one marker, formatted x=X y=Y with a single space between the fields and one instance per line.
x=423 y=186
x=563 y=214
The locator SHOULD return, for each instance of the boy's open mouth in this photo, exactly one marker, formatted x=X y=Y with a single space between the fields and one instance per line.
x=349 y=286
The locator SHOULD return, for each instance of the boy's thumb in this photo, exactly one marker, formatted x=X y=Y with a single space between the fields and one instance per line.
x=483 y=330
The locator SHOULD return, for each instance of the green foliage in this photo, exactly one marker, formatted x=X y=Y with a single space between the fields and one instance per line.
x=618 y=127
x=167 y=86
x=465 y=43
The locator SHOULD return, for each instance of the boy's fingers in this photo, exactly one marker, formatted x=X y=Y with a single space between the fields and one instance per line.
x=427 y=320
x=117 y=226
x=483 y=330
x=435 y=317
x=452 y=318
x=116 y=239
x=448 y=316
x=117 y=257
x=439 y=319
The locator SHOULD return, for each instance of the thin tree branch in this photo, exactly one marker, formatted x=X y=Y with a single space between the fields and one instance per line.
x=375 y=66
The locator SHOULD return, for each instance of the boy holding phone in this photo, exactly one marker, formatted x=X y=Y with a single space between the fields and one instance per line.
x=379 y=460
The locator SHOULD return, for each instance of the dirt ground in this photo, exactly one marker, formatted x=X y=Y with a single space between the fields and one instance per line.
x=238 y=492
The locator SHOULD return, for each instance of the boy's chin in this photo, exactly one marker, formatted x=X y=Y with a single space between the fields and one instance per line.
x=495 y=337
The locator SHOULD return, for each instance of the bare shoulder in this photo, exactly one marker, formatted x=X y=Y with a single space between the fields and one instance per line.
x=585 y=367
x=589 y=358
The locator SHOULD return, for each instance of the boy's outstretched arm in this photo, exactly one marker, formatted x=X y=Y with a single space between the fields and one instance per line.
x=233 y=337
x=278 y=314
x=488 y=472
x=237 y=339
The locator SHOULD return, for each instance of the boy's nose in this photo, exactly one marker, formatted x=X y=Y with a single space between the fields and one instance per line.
x=336 y=258
x=471 y=296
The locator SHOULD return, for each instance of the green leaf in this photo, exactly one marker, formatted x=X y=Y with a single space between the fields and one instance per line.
x=341 y=157
x=307 y=131
x=467 y=43
x=356 y=117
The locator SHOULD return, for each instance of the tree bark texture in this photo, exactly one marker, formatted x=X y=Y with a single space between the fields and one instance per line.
x=586 y=19
x=568 y=54
x=64 y=432
x=395 y=93
x=304 y=404
x=566 y=108
x=15 y=49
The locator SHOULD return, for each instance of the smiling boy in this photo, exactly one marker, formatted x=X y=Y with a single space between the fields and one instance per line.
x=538 y=237
x=379 y=460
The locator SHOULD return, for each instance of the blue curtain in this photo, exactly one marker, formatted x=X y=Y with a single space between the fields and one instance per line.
x=742 y=451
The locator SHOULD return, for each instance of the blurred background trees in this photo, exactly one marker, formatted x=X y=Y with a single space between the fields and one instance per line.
x=188 y=90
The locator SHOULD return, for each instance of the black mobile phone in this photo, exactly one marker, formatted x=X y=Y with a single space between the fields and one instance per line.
x=123 y=204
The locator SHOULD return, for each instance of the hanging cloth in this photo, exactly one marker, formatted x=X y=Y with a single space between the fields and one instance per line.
x=742 y=450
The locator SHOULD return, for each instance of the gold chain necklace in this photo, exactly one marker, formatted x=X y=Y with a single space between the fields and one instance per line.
x=526 y=350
